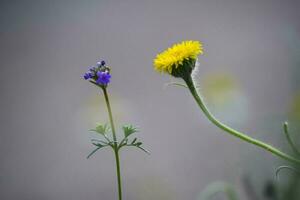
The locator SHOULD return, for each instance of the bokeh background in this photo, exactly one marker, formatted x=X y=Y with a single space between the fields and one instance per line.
x=248 y=75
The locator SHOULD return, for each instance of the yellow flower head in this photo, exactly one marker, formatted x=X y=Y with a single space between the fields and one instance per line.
x=176 y=55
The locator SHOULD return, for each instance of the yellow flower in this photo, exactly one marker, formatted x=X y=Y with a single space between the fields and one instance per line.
x=175 y=56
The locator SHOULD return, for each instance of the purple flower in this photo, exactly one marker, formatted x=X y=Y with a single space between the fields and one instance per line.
x=88 y=75
x=101 y=64
x=93 y=69
x=103 y=77
x=98 y=74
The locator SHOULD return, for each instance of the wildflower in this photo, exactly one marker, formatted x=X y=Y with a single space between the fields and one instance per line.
x=93 y=69
x=103 y=77
x=87 y=75
x=98 y=75
x=179 y=59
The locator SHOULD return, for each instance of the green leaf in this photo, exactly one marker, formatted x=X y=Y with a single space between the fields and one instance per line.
x=99 y=141
x=125 y=141
x=141 y=148
x=134 y=140
x=101 y=129
x=94 y=151
x=138 y=144
x=134 y=143
x=99 y=146
x=128 y=130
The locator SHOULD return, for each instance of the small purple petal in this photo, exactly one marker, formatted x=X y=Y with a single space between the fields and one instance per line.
x=92 y=69
x=103 y=78
x=99 y=73
x=86 y=76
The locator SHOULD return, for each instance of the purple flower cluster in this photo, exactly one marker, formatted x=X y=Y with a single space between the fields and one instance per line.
x=103 y=77
x=99 y=74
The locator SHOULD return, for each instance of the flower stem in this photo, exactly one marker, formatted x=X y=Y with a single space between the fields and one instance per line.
x=116 y=150
x=273 y=150
x=289 y=139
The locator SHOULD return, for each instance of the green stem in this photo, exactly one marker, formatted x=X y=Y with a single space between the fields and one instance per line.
x=234 y=132
x=116 y=150
x=289 y=139
x=285 y=167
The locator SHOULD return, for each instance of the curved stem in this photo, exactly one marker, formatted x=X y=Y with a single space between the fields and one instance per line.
x=289 y=139
x=284 y=167
x=115 y=146
x=234 y=132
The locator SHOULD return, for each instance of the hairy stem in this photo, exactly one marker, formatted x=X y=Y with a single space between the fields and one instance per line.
x=234 y=132
x=115 y=146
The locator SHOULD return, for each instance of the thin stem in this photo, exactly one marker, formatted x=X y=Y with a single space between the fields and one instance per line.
x=115 y=146
x=234 y=132
x=284 y=167
x=289 y=139
x=94 y=151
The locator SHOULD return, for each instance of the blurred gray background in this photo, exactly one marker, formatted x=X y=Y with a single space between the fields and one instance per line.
x=249 y=76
